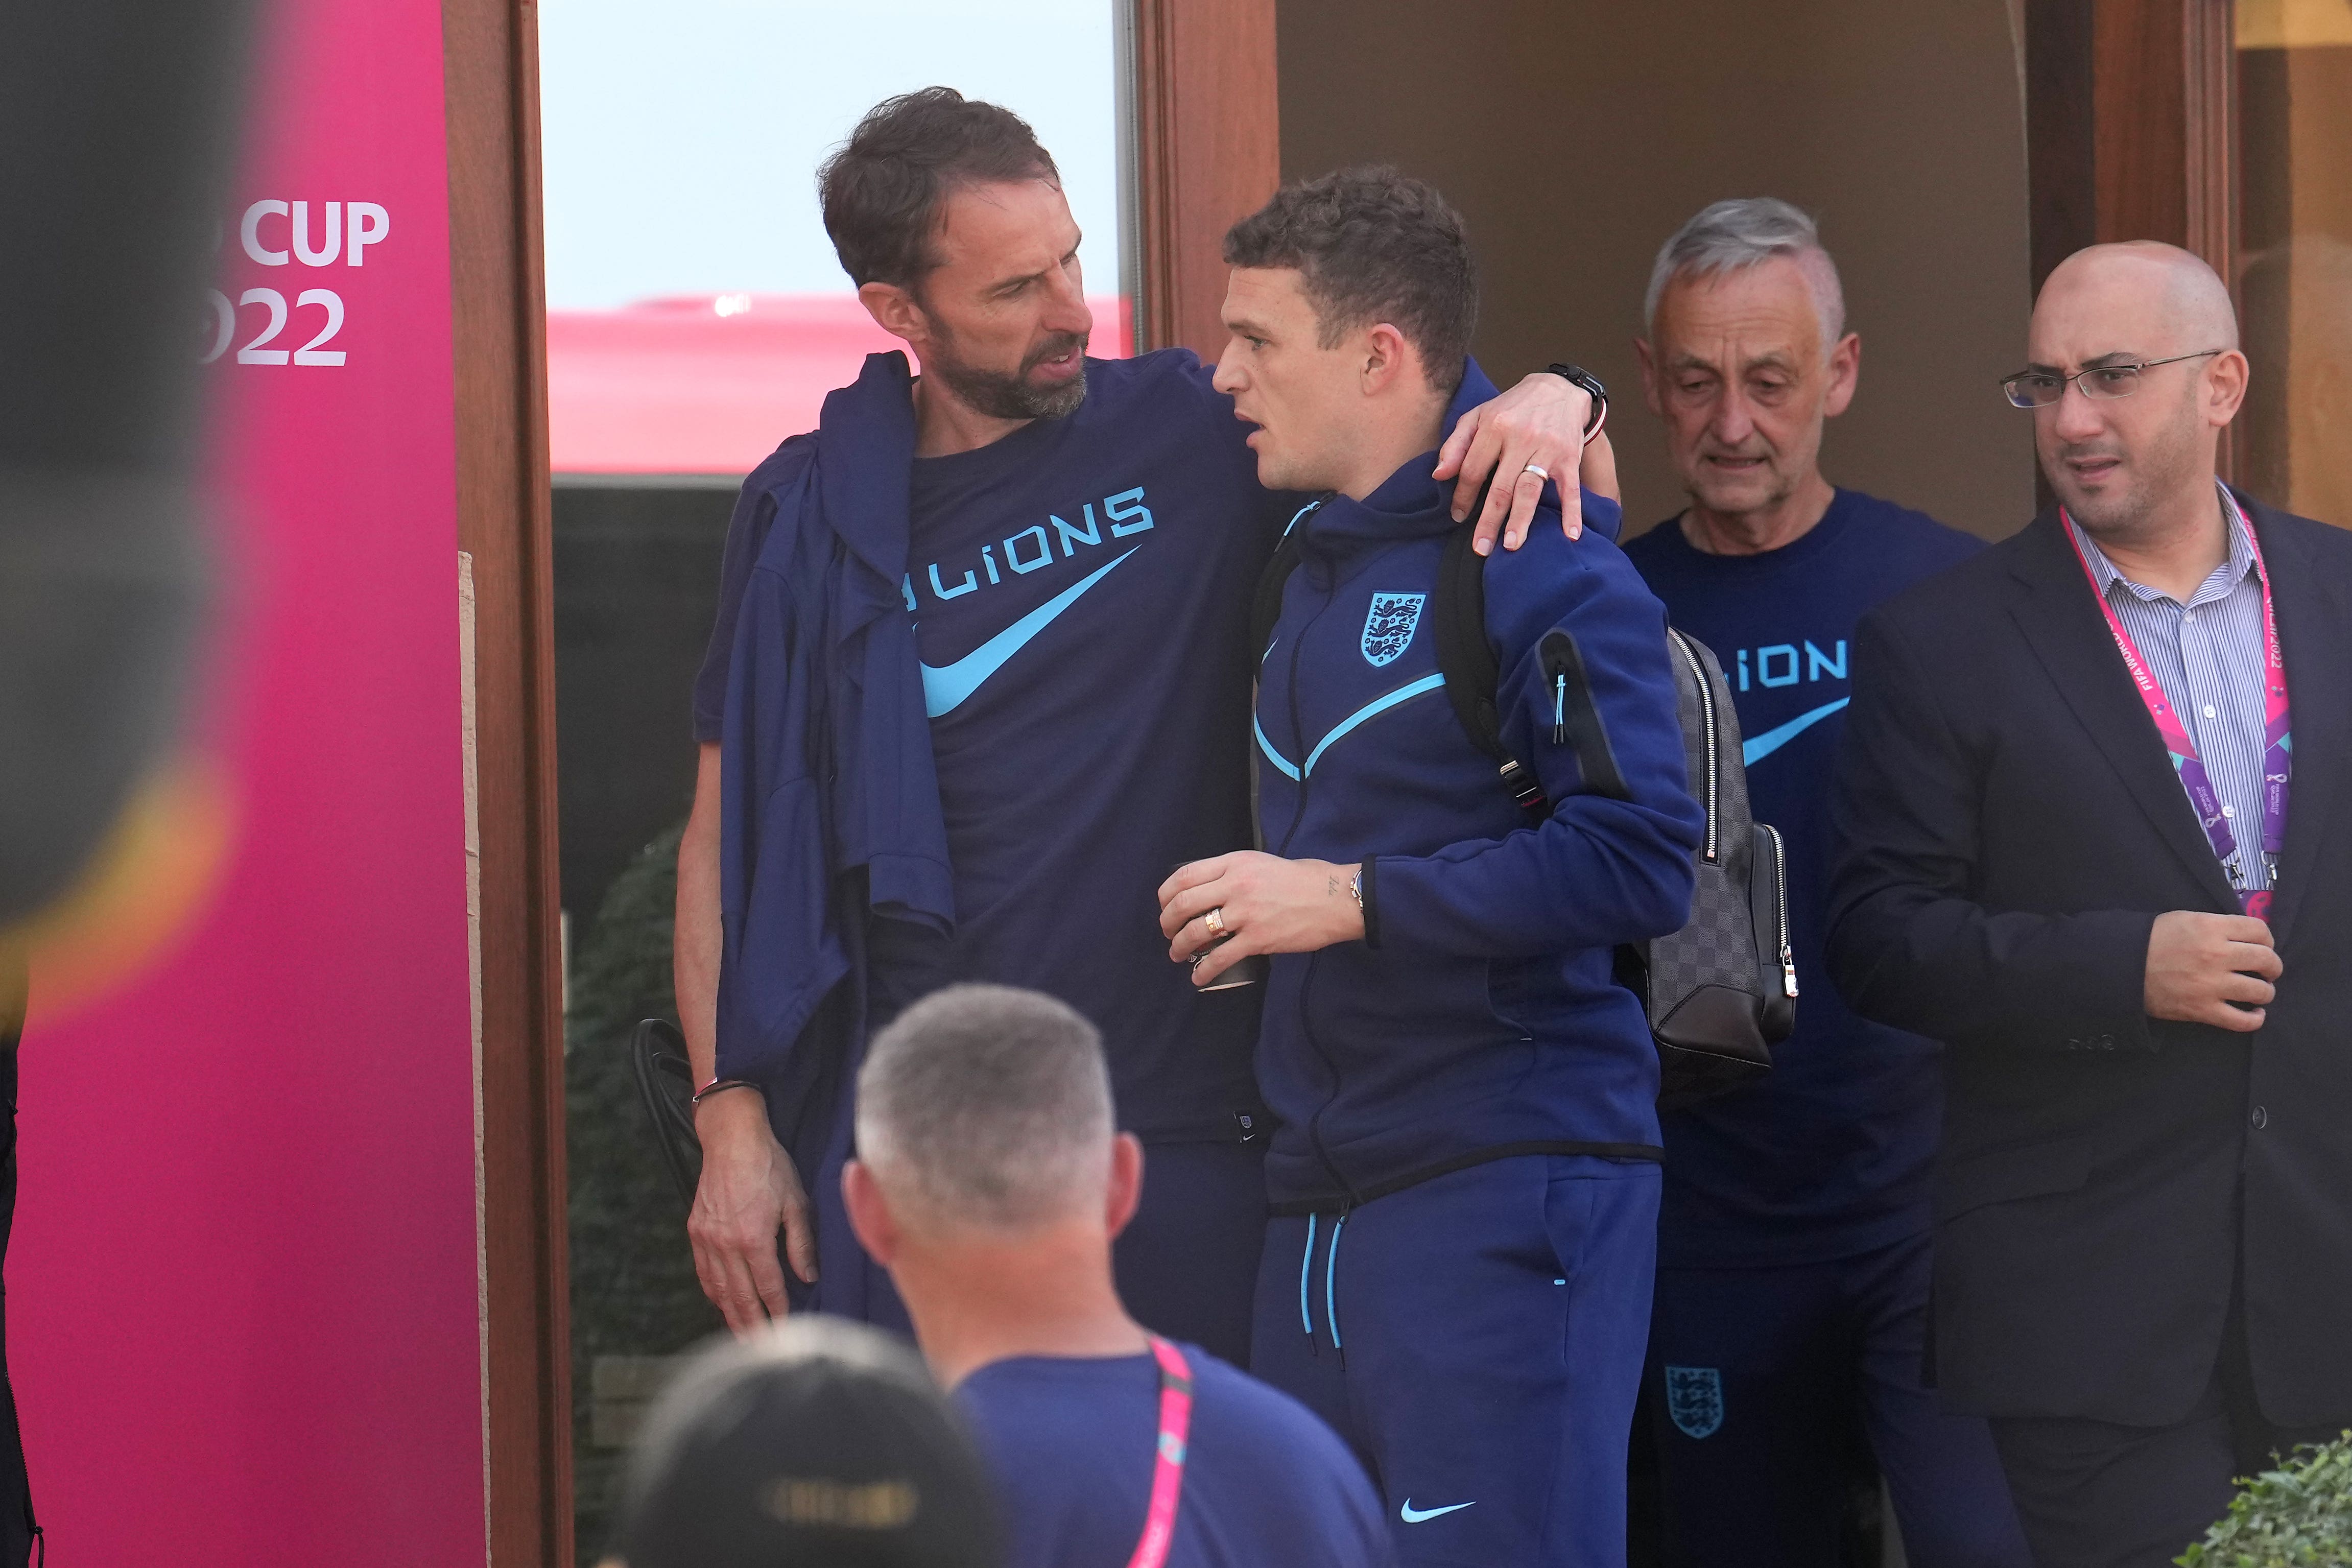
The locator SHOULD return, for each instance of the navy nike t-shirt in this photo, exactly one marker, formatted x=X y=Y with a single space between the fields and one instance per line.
x=1829 y=1154
x=1072 y=1441
x=1081 y=592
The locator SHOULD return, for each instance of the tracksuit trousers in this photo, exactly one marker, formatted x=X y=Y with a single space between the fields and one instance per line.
x=1477 y=1340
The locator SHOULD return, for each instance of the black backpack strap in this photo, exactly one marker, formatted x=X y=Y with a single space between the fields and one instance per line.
x=1472 y=671
x=1266 y=609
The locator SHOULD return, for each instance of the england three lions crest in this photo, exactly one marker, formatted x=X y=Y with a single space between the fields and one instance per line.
x=1694 y=1399
x=1388 y=629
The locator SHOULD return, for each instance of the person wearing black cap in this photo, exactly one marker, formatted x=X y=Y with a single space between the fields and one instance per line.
x=819 y=1442
x=989 y=1181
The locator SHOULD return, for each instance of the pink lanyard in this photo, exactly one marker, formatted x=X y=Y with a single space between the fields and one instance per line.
x=2278 y=747
x=1168 y=1473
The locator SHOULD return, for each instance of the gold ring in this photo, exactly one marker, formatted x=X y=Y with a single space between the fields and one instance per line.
x=1215 y=920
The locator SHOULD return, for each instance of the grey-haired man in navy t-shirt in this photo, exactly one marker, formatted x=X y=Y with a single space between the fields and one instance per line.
x=1793 y=1241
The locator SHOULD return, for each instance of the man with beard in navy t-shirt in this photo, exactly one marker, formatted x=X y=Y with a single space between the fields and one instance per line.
x=978 y=682
x=1793 y=1241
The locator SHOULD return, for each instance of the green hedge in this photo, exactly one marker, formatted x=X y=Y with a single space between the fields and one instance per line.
x=633 y=1286
x=2297 y=1516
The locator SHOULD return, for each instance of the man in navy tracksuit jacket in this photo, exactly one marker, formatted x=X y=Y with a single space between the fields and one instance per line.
x=1465 y=1176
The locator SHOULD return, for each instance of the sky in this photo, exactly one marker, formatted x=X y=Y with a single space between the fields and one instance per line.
x=681 y=140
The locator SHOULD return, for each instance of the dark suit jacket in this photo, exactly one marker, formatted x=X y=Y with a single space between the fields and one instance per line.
x=2010 y=828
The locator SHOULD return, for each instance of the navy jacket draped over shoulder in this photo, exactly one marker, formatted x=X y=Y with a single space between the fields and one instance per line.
x=829 y=800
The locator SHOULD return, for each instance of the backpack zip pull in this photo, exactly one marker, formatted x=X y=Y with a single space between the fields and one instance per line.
x=1559 y=709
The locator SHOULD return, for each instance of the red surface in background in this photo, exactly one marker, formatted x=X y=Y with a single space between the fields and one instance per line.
x=242 y=1314
x=712 y=384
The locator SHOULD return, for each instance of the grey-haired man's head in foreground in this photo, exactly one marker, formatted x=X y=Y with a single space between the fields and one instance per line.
x=991 y=1177
x=986 y=1107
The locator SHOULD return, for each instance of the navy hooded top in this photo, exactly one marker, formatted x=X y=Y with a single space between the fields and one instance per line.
x=1478 y=1018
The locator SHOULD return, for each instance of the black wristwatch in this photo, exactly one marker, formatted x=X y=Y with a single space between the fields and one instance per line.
x=1577 y=375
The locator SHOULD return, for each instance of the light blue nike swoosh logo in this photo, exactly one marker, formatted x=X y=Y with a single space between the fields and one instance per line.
x=946 y=686
x=1759 y=747
x=1372 y=710
x=1412 y=1515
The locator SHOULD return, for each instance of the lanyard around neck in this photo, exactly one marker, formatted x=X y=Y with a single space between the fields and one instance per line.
x=2277 y=729
x=1168 y=1469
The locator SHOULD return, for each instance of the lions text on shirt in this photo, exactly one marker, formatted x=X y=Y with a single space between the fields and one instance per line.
x=1831 y=1153
x=1081 y=592
x=1071 y=1442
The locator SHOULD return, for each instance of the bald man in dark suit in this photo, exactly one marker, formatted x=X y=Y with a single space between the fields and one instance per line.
x=2088 y=847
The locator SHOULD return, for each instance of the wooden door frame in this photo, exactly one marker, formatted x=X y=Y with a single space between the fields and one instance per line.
x=498 y=339
x=1208 y=151
x=2131 y=132
x=2128 y=125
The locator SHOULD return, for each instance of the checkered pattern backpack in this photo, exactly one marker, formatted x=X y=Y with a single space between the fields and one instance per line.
x=1721 y=992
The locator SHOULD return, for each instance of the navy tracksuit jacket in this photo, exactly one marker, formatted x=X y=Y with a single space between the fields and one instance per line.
x=1468 y=1096
x=1479 y=1014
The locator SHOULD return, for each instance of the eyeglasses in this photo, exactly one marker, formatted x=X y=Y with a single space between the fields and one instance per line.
x=2043 y=388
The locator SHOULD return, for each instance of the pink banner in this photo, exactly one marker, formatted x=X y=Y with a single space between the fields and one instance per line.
x=242 y=1291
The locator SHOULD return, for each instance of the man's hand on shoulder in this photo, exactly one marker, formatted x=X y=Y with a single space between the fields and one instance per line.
x=1540 y=422
x=749 y=1190
x=2211 y=969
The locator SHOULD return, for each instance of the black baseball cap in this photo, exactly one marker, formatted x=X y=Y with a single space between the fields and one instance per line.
x=819 y=1443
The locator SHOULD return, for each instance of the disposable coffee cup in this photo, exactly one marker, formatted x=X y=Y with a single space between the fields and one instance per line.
x=1247 y=971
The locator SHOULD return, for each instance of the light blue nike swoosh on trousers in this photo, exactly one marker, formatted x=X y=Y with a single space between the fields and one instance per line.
x=946 y=686
x=1759 y=747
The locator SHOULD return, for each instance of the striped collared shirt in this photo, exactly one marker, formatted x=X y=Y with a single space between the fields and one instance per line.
x=2206 y=656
